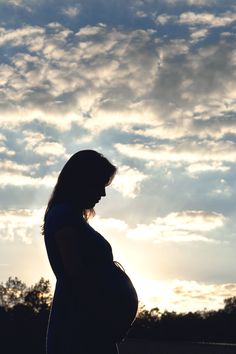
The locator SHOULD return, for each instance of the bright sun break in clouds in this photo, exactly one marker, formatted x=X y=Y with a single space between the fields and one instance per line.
x=187 y=226
x=152 y=86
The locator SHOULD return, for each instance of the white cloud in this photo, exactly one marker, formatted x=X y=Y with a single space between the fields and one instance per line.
x=20 y=3
x=141 y=14
x=186 y=226
x=6 y=72
x=37 y=143
x=128 y=181
x=32 y=139
x=16 y=2
x=192 y=2
x=71 y=11
x=183 y=295
x=133 y=74
x=39 y=79
x=20 y=180
x=3 y=148
x=6 y=151
x=191 y=153
x=108 y=225
x=2 y=137
x=165 y=18
x=20 y=36
x=21 y=175
x=91 y=31
x=176 y=295
x=207 y=18
x=50 y=148
x=21 y=224
x=201 y=2
x=15 y=118
x=14 y=167
x=199 y=34
x=199 y=167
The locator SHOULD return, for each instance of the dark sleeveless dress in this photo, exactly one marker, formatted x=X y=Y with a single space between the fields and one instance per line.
x=92 y=312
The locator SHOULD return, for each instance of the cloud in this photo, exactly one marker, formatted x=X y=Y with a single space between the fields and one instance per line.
x=52 y=78
x=13 y=173
x=201 y=2
x=222 y=188
x=197 y=3
x=187 y=226
x=20 y=224
x=108 y=225
x=141 y=14
x=37 y=143
x=183 y=295
x=3 y=147
x=36 y=157
x=15 y=118
x=128 y=181
x=132 y=73
x=200 y=167
x=26 y=5
x=195 y=154
x=206 y=18
x=20 y=180
x=199 y=34
x=71 y=11
x=20 y=36
x=16 y=2
x=14 y=167
x=165 y=18
x=6 y=71
x=178 y=295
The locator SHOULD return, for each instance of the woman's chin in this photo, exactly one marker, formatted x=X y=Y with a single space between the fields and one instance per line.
x=90 y=205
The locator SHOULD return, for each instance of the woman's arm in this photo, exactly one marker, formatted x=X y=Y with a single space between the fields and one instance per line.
x=72 y=250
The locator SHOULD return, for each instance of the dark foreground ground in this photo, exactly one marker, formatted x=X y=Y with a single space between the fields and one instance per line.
x=130 y=346
x=152 y=347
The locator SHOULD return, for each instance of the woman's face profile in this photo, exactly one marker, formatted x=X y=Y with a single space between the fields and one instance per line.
x=93 y=193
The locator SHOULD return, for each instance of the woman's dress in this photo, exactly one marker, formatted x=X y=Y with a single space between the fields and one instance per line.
x=92 y=311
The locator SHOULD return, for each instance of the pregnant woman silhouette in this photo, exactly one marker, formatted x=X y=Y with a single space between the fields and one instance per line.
x=94 y=302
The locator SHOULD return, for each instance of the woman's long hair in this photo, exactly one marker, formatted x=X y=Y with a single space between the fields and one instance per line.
x=82 y=169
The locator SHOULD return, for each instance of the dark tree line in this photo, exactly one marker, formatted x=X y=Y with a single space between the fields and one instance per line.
x=24 y=314
x=200 y=326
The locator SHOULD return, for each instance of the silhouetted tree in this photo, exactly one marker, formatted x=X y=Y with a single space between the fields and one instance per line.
x=39 y=296
x=230 y=305
x=199 y=326
x=12 y=293
x=24 y=315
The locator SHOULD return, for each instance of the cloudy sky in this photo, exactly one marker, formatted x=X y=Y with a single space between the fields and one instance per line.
x=151 y=84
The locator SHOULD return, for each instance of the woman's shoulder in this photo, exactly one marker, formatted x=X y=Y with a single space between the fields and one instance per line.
x=59 y=209
x=62 y=215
